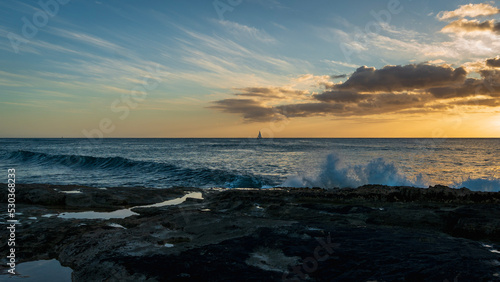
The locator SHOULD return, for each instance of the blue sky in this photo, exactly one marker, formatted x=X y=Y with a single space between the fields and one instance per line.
x=83 y=62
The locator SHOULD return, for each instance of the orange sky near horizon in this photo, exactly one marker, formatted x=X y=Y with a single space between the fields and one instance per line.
x=290 y=70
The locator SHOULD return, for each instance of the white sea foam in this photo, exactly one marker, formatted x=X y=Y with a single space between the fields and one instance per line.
x=479 y=184
x=335 y=173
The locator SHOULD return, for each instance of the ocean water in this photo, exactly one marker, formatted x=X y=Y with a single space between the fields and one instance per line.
x=231 y=163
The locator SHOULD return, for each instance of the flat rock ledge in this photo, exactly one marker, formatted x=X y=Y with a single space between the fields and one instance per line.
x=370 y=233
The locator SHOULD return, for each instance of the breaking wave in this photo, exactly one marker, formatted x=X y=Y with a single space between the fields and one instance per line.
x=119 y=171
x=479 y=184
x=166 y=173
x=335 y=173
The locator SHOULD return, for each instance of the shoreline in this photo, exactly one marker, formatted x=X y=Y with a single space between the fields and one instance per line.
x=372 y=232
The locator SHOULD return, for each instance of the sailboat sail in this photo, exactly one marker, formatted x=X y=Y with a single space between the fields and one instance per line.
x=260 y=136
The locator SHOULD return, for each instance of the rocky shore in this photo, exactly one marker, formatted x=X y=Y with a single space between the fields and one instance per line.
x=371 y=233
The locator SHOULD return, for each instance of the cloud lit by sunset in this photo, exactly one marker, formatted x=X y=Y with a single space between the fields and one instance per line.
x=370 y=70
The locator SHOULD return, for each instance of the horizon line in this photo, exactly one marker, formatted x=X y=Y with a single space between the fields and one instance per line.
x=251 y=138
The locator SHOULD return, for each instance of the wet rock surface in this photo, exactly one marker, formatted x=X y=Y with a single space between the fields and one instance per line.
x=372 y=233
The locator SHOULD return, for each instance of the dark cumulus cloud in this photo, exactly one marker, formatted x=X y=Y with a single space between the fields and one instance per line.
x=338 y=76
x=464 y=25
x=251 y=109
x=488 y=85
x=399 y=78
x=341 y=96
x=413 y=88
x=488 y=102
x=494 y=63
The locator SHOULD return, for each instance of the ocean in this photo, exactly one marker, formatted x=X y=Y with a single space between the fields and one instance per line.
x=253 y=163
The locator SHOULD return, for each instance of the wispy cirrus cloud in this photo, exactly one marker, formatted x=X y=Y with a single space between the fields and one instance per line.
x=220 y=60
x=340 y=63
x=248 y=32
x=86 y=39
x=458 y=41
x=278 y=94
x=226 y=46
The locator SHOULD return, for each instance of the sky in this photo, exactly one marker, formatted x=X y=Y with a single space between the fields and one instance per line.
x=232 y=68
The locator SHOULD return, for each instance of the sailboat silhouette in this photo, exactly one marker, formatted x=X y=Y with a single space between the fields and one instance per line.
x=260 y=136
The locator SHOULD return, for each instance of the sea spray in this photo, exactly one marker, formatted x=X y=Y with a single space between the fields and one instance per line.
x=246 y=163
x=335 y=173
x=479 y=184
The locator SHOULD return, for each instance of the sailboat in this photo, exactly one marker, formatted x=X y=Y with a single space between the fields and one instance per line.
x=260 y=136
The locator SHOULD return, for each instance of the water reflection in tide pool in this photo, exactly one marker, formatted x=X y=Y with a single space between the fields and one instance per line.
x=118 y=214
x=40 y=270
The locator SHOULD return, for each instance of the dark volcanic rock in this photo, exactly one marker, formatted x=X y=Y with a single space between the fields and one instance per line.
x=373 y=233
